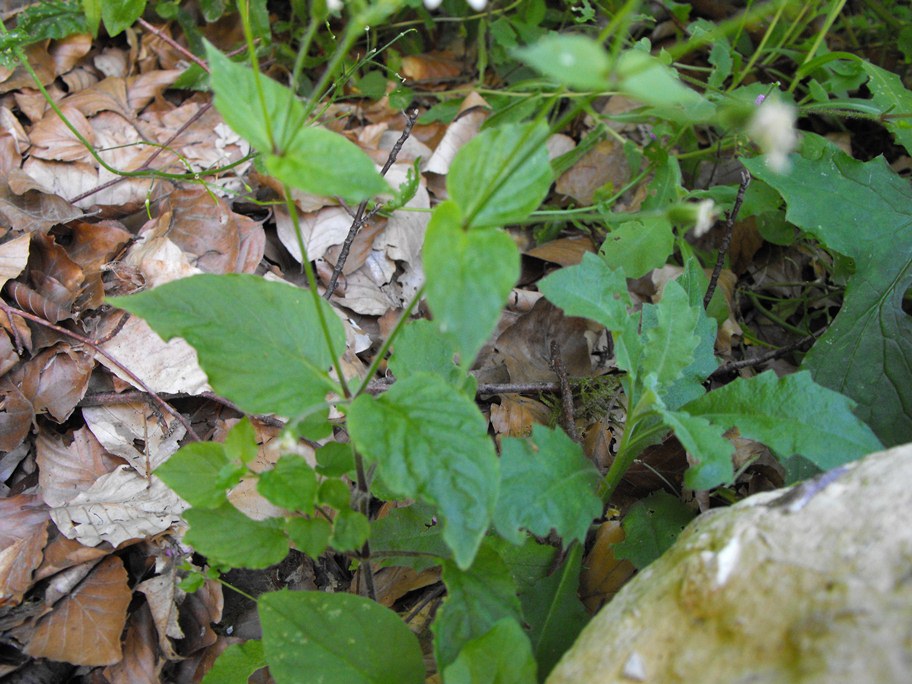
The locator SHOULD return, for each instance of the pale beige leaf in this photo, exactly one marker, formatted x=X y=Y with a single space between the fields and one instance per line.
x=85 y=627
x=13 y=257
x=473 y=112
x=135 y=433
x=404 y=234
x=162 y=598
x=68 y=464
x=52 y=139
x=120 y=506
x=319 y=231
x=163 y=366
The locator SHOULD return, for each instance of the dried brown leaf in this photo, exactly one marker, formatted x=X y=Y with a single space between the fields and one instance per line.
x=23 y=533
x=135 y=433
x=563 y=251
x=141 y=663
x=603 y=575
x=516 y=414
x=605 y=164
x=85 y=627
x=13 y=257
x=28 y=209
x=120 y=506
x=69 y=463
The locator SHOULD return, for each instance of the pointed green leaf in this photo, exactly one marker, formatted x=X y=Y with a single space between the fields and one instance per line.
x=228 y=538
x=501 y=175
x=890 y=95
x=651 y=526
x=121 y=15
x=336 y=639
x=791 y=415
x=240 y=442
x=501 y=656
x=555 y=613
x=432 y=444
x=259 y=342
x=335 y=459
x=324 y=163
x=711 y=452
x=350 y=530
x=645 y=79
x=476 y=600
x=291 y=484
x=273 y=120
x=236 y=663
x=469 y=276
x=669 y=344
x=199 y=473
x=862 y=210
x=546 y=484
x=591 y=290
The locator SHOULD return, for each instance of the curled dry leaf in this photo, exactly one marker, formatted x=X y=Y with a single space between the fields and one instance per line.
x=603 y=575
x=120 y=506
x=135 y=433
x=85 y=626
x=141 y=662
x=472 y=114
x=69 y=463
x=23 y=533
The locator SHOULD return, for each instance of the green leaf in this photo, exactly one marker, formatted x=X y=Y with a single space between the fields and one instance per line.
x=501 y=656
x=236 y=663
x=669 y=345
x=421 y=347
x=555 y=613
x=46 y=21
x=310 y=535
x=529 y=563
x=335 y=459
x=651 y=526
x=432 y=444
x=200 y=474
x=212 y=9
x=325 y=163
x=861 y=210
x=546 y=484
x=639 y=246
x=502 y=175
x=711 y=452
x=273 y=120
x=575 y=61
x=240 y=442
x=645 y=79
x=121 y=14
x=889 y=94
x=259 y=342
x=476 y=600
x=591 y=289
x=350 y=530
x=469 y=276
x=228 y=538
x=335 y=493
x=791 y=415
x=413 y=529
x=336 y=639
x=291 y=484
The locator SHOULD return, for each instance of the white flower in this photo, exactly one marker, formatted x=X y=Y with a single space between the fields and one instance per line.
x=334 y=5
x=476 y=5
x=772 y=127
x=706 y=217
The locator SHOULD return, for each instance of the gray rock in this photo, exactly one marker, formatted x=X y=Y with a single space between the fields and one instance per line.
x=808 y=584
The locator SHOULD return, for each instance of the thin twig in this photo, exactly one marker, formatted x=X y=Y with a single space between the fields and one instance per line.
x=148 y=163
x=360 y=218
x=173 y=43
x=726 y=240
x=568 y=419
x=364 y=506
x=165 y=406
x=733 y=366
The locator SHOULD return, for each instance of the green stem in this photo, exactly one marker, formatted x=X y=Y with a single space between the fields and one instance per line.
x=378 y=359
x=312 y=287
